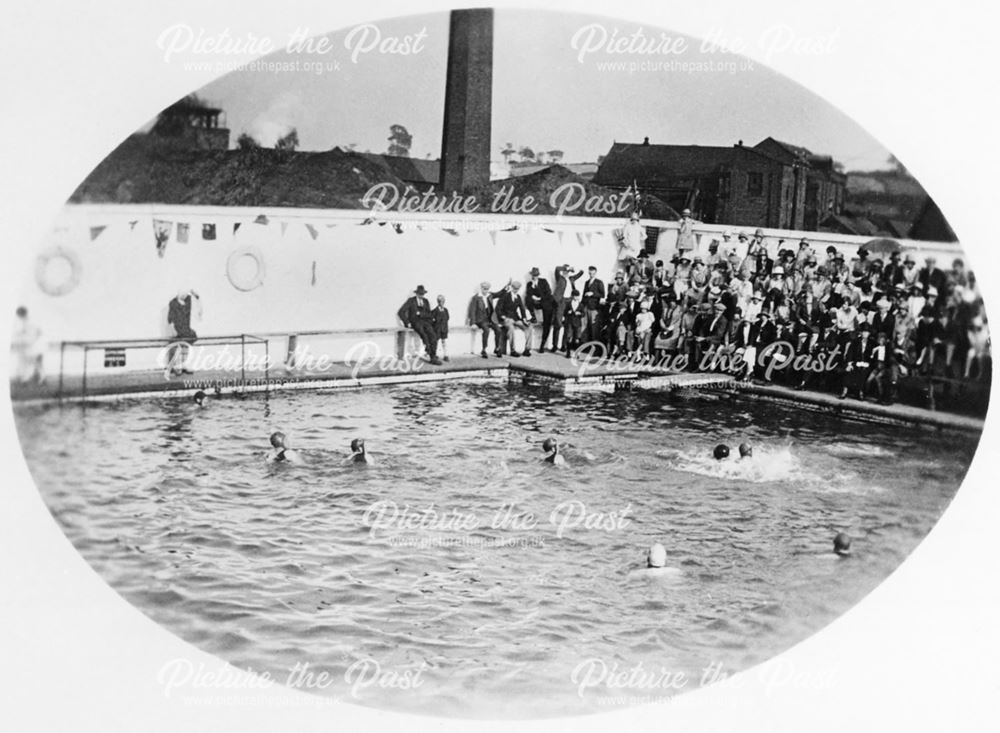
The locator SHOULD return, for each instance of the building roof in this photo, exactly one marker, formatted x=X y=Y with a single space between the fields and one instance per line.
x=584 y=170
x=541 y=184
x=655 y=163
x=931 y=225
x=786 y=152
x=850 y=225
x=146 y=169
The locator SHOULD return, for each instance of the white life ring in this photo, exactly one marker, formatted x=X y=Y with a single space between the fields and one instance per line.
x=57 y=286
x=242 y=280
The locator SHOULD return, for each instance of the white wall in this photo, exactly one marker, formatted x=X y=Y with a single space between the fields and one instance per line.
x=364 y=272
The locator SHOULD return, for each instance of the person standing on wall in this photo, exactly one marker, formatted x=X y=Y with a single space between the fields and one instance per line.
x=179 y=313
x=593 y=299
x=539 y=300
x=480 y=315
x=685 y=234
x=565 y=279
x=416 y=314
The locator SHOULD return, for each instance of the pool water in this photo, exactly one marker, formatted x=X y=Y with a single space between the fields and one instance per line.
x=486 y=583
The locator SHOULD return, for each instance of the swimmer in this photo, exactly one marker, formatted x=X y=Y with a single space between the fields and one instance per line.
x=358 y=452
x=721 y=451
x=842 y=544
x=280 y=452
x=199 y=398
x=552 y=454
x=746 y=450
x=656 y=563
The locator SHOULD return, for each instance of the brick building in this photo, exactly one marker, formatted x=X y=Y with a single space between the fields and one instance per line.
x=767 y=185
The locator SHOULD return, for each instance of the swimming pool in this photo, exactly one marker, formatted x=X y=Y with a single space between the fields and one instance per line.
x=420 y=583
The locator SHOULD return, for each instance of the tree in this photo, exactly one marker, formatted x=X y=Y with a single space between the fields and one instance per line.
x=400 y=141
x=508 y=151
x=289 y=141
x=246 y=142
x=526 y=153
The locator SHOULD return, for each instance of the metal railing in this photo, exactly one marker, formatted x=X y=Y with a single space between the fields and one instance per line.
x=243 y=339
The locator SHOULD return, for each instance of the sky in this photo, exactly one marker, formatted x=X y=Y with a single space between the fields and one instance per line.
x=556 y=85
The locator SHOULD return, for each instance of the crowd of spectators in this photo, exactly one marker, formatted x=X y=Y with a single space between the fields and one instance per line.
x=852 y=325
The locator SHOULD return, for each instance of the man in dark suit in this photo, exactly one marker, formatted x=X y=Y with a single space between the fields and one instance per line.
x=593 y=299
x=539 y=299
x=512 y=314
x=416 y=314
x=932 y=276
x=564 y=282
x=481 y=316
x=892 y=274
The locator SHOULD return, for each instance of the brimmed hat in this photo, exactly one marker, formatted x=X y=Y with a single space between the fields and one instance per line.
x=742 y=235
x=516 y=285
x=421 y=290
x=758 y=232
x=779 y=270
x=535 y=271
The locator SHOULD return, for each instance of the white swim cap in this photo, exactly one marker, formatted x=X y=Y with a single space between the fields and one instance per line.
x=657 y=556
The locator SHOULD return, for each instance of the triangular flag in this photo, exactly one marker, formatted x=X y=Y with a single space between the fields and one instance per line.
x=313 y=231
x=493 y=236
x=95 y=232
x=182 y=232
x=237 y=226
x=560 y=235
x=262 y=219
x=579 y=238
x=131 y=224
x=284 y=227
x=313 y=273
x=161 y=233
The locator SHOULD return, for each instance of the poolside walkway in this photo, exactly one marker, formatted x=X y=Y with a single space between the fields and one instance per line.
x=869 y=411
x=548 y=370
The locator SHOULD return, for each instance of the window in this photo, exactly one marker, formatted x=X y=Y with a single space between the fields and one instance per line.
x=755 y=184
x=114 y=357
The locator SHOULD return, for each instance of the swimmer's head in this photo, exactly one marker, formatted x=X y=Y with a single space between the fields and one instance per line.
x=199 y=398
x=358 y=445
x=721 y=451
x=656 y=557
x=550 y=444
x=746 y=450
x=842 y=543
x=278 y=440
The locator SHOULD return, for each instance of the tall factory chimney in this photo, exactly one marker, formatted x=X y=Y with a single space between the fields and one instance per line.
x=468 y=101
